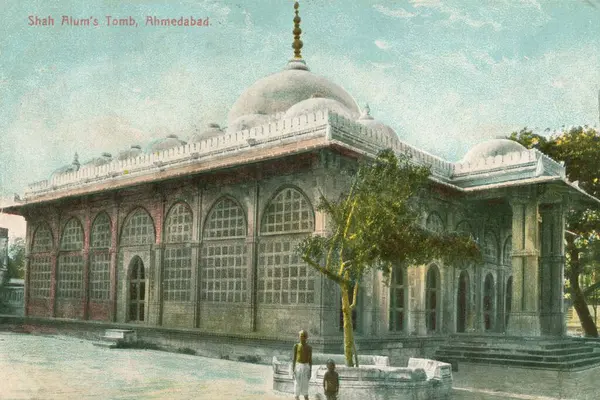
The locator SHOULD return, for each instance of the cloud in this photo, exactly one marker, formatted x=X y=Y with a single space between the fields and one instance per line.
x=455 y=15
x=397 y=13
x=382 y=44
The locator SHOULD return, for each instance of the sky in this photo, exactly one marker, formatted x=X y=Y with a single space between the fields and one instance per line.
x=444 y=74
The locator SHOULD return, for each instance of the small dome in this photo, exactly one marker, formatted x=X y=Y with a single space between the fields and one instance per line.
x=247 y=122
x=280 y=91
x=134 y=151
x=318 y=103
x=211 y=130
x=105 y=158
x=369 y=122
x=165 y=144
x=492 y=148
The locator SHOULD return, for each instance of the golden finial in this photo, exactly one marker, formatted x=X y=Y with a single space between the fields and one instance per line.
x=297 y=45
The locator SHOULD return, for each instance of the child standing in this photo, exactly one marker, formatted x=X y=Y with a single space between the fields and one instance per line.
x=331 y=381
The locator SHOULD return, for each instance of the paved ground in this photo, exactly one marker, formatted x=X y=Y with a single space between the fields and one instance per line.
x=50 y=367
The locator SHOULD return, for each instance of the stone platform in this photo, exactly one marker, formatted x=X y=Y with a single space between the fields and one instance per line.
x=375 y=379
x=559 y=354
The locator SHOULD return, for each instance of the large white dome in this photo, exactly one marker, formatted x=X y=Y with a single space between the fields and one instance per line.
x=280 y=91
x=492 y=148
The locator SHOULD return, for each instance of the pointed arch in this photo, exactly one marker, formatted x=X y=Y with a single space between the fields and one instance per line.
x=178 y=223
x=464 y=227
x=101 y=231
x=138 y=228
x=434 y=222
x=289 y=211
x=226 y=219
x=432 y=298
x=40 y=267
x=507 y=251
x=489 y=301
x=490 y=246
x=463 y=305
x=72 y=235
x=283 y=278
x=223 y=262
x=42 y=239
x=100 y=243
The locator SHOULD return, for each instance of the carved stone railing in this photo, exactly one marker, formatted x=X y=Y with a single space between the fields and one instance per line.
x=313 y=124
x=532 y=158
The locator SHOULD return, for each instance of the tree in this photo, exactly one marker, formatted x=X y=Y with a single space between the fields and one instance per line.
x=376 y=225
x=578 y=147
x=16 y=259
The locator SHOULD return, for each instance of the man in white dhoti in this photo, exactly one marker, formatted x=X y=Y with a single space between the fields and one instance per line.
x=302 y=366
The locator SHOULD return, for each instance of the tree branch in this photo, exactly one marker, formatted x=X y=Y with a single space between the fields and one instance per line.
x=354 y=296
x=322 y=270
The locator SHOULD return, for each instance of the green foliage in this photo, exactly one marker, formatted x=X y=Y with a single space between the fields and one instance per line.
x=376 y=224
x=16 y=259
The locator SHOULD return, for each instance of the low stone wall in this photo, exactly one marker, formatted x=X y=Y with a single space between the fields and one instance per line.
x=375 y=379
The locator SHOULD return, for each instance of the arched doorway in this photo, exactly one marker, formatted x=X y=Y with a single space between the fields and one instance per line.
x=137 y=290
x=431 y=298
x=488 y=302
x=508 y=305
x=462 y=302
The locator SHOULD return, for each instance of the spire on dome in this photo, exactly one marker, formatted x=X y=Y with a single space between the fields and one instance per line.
x=76 y=161
x=366 y=112
x=297 y=45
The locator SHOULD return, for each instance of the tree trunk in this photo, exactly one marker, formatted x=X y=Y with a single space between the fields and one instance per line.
x=348 y=328
x=587 y=323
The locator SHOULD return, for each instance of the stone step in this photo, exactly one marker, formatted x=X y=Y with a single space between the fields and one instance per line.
x=570 y=365
x=517 y=356
x=124 y=334
x=574 y=350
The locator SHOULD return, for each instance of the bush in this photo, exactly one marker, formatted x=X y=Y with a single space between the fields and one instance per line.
x=186 y=350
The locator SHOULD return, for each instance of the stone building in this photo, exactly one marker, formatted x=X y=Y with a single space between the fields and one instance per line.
x=200 y=235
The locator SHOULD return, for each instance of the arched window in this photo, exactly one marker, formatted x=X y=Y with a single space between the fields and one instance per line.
x=507 y=251
x=462 y=302
x=432 y=290
x=288 y=212
x=100 y=258
x=177 y=264
x=490 y=249
x=223 y=265
x=282 y=277
x=508 y=305
x=69 y=274
x=138 y=229
x=397 y=300
x=434 y=223
x=137 y=290
x=488 y=302
x=465 y=228
x=42 y=240
x=41 y=263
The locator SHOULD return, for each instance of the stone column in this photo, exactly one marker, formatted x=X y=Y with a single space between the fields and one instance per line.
x=53 y=281
x=28 y=244
x=500 y=299
x=87 y=234
x=196 y=254
x=552 y=262
x=525 y=310
x=114 y=232
x=252 y=248
x=416 y=280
